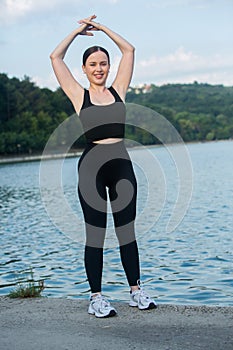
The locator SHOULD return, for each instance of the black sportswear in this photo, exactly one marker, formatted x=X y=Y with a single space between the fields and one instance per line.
x=105 y=170
x=103 y=121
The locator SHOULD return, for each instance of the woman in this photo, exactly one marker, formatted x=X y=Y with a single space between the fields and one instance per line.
x=105 y=163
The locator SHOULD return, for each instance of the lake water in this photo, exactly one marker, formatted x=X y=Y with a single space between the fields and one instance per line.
x=190 y=264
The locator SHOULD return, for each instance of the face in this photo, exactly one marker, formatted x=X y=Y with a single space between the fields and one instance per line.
x=97 y=68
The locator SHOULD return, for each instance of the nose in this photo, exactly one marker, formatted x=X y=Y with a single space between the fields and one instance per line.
x=99 y=68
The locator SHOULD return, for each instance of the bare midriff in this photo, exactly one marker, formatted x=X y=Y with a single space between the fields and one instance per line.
x=109 y=140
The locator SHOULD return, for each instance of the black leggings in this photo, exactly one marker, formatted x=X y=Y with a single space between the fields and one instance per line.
x=103 y=166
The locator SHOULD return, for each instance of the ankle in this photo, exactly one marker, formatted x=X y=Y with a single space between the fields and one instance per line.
x=94 y=295
x=134 y=288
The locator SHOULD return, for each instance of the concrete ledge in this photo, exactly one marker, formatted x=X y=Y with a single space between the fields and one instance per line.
x=64 y=324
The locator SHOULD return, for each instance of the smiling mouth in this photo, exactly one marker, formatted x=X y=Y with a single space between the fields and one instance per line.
x=99 y=76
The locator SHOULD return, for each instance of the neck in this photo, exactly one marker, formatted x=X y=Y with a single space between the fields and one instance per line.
x=97 y=88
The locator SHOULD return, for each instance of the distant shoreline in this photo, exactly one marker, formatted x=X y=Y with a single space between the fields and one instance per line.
x=32 y=158
x=39 y=157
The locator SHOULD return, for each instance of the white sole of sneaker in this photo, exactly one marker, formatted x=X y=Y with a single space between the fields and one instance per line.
x=96 y=314
x=111 y=314
x=149 y=307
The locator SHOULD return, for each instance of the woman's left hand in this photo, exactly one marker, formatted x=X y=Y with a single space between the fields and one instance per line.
x=91 y=24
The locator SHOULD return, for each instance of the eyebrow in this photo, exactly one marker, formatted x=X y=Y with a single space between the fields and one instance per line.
x=100 y=62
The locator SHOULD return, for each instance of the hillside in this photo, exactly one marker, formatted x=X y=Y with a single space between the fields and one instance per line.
x=29 y=114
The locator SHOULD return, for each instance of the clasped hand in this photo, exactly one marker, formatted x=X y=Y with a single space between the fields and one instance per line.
x=88 y=25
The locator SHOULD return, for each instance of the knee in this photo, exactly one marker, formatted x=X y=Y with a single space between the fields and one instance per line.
x=95 y=236
x=125 y=233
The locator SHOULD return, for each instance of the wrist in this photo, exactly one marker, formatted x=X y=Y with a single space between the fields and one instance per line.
x=80 y=29
x=100 y=26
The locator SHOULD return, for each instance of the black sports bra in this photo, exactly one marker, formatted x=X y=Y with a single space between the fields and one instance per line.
x=103 y=121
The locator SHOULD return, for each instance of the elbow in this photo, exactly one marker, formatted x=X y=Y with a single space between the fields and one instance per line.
x=52 y=56
x=129 y=50
x=133 y=48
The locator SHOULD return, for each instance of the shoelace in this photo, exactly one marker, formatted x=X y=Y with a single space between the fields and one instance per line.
x=141 y=291
x=102 y=300
x=143 y=294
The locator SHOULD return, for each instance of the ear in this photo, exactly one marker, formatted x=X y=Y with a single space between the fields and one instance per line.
x=84 y=69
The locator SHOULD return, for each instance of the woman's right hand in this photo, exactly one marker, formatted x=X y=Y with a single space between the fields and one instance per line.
x=86 y=26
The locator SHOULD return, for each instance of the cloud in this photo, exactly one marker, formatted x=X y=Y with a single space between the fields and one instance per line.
x=11 y=10
x=15 y=8
x=200 y=4
x=171 y=3
x=185 y=66
x=181 y=66
x=46 y=82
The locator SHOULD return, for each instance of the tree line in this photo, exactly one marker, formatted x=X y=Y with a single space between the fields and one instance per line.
x=29 y=114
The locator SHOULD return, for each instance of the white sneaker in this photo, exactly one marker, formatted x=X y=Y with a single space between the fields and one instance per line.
x=100 y=307
x=141 y=299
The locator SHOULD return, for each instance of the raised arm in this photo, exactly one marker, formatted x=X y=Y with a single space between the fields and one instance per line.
x=68 y=83
x=125 y=68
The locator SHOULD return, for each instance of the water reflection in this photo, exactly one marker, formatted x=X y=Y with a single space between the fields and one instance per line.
x=192 y=265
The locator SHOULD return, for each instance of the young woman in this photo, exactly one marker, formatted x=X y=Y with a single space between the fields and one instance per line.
x=105 y=163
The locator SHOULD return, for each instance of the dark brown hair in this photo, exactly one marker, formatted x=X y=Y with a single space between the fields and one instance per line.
x=93 y=49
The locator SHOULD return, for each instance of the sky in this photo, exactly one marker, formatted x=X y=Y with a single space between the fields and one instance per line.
x=176 y=41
